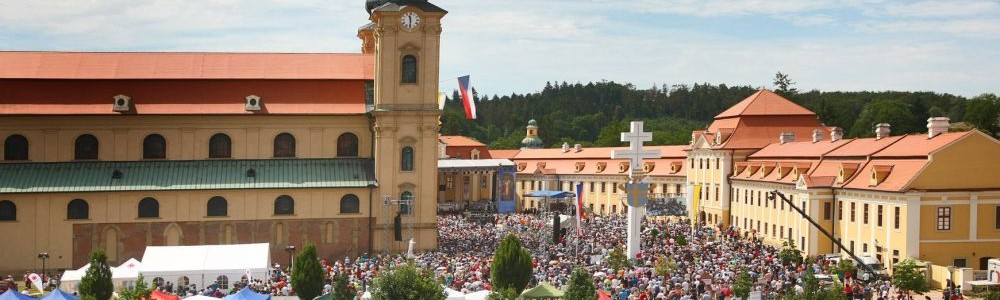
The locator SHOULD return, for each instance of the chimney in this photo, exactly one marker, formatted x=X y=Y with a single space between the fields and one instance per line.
x=787 y=137
x=578 y=147
x=937 y=125
x=882 y=130
x=565 y=147
x=836 y=134
x=817 y=135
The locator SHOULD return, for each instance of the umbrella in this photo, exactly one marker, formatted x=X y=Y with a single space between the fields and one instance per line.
x=600 y=274
x=158 y=295
x=601 y=295
x=544 y=290
x=58 y=294
x=15 y=295
x=480 y=295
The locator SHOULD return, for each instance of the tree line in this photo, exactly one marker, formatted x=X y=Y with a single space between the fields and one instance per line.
x=594 y=113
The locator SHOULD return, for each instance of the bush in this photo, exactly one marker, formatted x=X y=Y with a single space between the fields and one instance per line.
x=406 y=283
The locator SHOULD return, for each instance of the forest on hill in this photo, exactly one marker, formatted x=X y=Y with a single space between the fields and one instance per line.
x=594 y=114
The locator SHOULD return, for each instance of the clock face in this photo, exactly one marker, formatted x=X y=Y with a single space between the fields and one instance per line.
x=410 y=20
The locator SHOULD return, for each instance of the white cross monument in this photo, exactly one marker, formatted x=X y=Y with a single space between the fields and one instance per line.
x=635 y=155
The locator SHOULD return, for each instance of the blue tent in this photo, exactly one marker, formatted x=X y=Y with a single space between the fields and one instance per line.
x=15 y=295
x=59 y=295
x=245 y=294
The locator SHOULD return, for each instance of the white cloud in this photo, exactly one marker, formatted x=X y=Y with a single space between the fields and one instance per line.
x=939 y=8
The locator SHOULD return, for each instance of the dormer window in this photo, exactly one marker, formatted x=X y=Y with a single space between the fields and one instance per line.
x=784 y=169
x=676 y=167
x=540 y=165
x=623 y=166
x=766 y=169
x=521 y=166
x=740 y=166
x=846 y=171
x=879 y=174
x=648 y=167
x=579 y=166
x=753 y=169
x=601 y=166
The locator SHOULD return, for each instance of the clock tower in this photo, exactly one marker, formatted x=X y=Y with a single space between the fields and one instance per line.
x=404 y=36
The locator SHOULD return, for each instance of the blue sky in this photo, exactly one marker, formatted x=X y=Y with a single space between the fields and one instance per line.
x=517 y=45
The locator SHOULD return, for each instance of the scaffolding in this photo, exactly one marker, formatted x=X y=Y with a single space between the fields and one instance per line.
x=391 y=207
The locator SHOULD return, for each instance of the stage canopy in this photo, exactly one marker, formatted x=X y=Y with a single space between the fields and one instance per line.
x=551 y=194
x=203 y=265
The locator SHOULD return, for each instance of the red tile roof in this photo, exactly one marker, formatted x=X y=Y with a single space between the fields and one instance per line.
x=765 y=103
x=508 y=154
x=676 y=151
x=185 y=65
x=798 y=149
x=460 y=141
x=901 y=172
x=918 y=145
x=863 y=147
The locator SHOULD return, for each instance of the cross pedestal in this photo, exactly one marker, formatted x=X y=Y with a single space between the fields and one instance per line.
x=635 y=155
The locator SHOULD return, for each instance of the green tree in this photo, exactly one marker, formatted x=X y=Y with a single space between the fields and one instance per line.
x=983 y=111
x=581 y=286
x=665 y=266
x=97 y=281
x=784 y=84
x=511 y=267
x=681 y=240
x=341 y=289
x=908 y=277
x=503 y=294
x=897 y=113
x=139 y=291
x=307 y=275
x=618 y=260
x=406 y=282
x=789 y=253
x=741 y=288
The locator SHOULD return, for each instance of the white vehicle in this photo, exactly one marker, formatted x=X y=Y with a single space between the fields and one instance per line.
x=873 y=264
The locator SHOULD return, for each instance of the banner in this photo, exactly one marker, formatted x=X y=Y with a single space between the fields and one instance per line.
x=470 y=104
x=36 y=281
x=579 y=209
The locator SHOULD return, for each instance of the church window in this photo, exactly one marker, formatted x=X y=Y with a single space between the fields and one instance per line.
x=284 y=145
x=15 y=147
x=347 y=145
x=405 y=208
x=78 y=209
x=149 y=208
x=8 y=211
x=406 y=160
x=86 y=147
x=284 y=205
x=217 y=207
x=154 y=146
x=223 y=282
x=349 y=204
x=220 y=146
x=409 y=70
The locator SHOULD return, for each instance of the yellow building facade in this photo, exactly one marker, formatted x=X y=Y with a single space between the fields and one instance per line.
x=280 y=148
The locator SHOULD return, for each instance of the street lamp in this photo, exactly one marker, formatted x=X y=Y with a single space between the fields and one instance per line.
x=291 y=254
x=43 y=256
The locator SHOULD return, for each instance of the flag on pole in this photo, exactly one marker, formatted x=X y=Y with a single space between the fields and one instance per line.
x=36 y=281
x=470 y=105
x=579 y=209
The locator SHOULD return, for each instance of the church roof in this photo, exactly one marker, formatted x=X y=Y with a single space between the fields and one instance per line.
x=460 y=141
x=97 y=176
x=765 y=103
x=185 y=65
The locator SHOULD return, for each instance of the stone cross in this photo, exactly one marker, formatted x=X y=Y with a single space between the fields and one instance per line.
x=635 y=155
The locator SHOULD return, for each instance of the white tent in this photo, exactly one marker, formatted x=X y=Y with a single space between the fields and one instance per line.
x=202 y=265
x=453 y=294
x=480 y=295
x=126 y=274
x=70 y=279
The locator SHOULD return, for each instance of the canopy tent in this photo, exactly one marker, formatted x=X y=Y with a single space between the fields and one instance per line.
x=551 y=194
x=71 y=278
x=15 y=295
x=544 y=290
x=121 y=276
x=202 y=265
x=58 y=294
x=247 y=294
x=453 y=294
x=158 y=295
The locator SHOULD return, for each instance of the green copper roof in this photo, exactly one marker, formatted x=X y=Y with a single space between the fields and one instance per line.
x=185 y=175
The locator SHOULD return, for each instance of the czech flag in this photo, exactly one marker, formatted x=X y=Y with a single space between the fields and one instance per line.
x=470 y=106
x=579 y=209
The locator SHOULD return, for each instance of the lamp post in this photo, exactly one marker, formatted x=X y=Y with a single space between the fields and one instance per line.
x=291 y=255
x=43 y=256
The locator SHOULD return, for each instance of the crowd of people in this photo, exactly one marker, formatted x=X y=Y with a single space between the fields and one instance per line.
x=703 y=262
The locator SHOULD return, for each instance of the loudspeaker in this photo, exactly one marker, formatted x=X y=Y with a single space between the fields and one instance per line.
x=397 y=227
x=556 y=229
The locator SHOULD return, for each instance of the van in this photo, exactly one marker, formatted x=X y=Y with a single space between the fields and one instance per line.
x=875 y=265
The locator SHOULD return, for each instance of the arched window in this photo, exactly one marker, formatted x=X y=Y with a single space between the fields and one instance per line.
x=223 y=282
x=409 y=69
x=8 y=211
x=404 y=208
x=220 y=146
x=149 y=208
x=154 y=147
x=406 y=161
x=15 y=148
x=86 y=147
x=78 y=209
x=218 y=207
x=284 y=205
x=349 y=204
x=284 y=145
x=347 y=145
